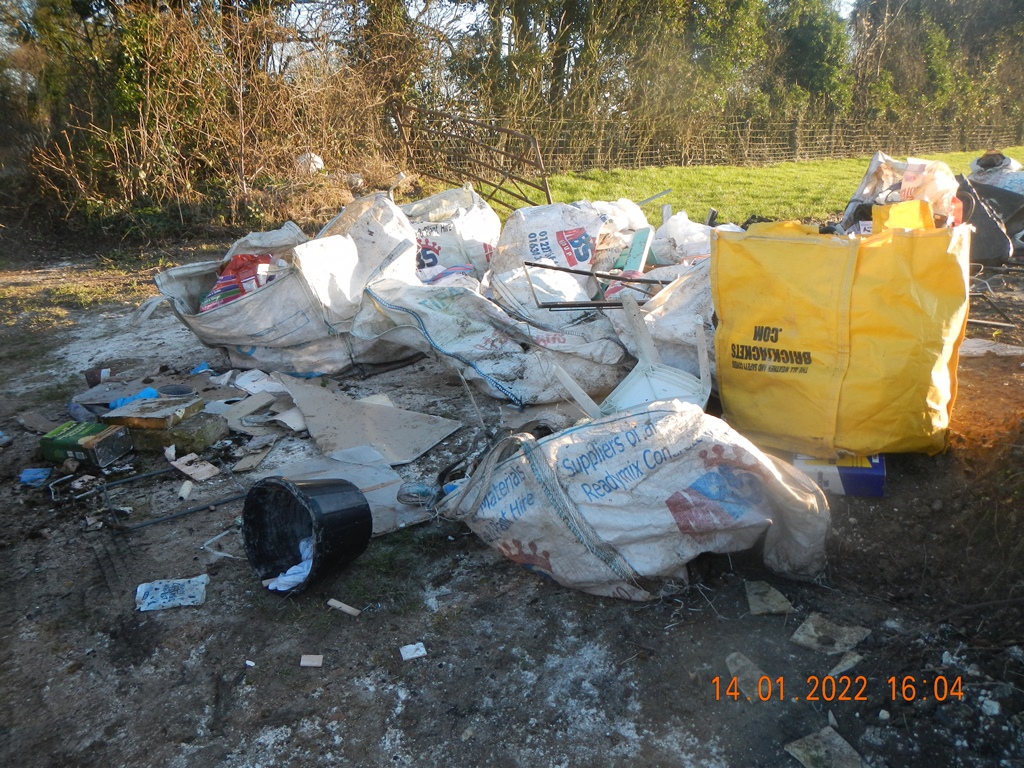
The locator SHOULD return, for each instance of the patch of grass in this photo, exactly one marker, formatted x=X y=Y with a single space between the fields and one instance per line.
x=809 y=190
x=384 y=574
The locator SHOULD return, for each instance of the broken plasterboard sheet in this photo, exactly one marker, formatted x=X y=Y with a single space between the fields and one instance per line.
x=824 y=748
x=293 y=419
x=336 y=422
x=366 y=469
x=765 y=600
x=243 y=408
x=820 y=634
x=378 y=399
x=982 y=347
x=256 y=451
x=256 y=381
x=748 y=675
x=846 y=662
x=196 y=468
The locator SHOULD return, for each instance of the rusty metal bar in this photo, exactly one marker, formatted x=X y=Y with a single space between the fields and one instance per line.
x=444 y=148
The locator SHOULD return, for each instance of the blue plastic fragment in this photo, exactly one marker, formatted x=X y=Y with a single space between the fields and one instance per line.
x=202 y=367
x=35 y=476
x=147 y=394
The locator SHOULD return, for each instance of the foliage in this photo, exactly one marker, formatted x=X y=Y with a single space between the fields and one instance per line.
x=146 y=117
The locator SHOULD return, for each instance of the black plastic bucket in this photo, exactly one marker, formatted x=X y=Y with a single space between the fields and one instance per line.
x=279 y=513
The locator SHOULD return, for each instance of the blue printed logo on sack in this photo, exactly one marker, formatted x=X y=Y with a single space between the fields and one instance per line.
x=429 y=253
x=577 y=246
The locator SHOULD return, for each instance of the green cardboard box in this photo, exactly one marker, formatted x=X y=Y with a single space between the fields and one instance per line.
x=99 y=444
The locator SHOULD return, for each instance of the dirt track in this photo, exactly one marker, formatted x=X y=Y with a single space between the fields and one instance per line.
x=519 y=671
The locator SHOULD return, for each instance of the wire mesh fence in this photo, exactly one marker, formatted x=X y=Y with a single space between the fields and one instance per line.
x=581 y=146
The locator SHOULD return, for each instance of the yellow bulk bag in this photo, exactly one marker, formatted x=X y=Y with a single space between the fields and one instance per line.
x=827 y=344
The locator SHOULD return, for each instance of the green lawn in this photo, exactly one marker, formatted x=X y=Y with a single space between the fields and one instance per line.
x=799 y=190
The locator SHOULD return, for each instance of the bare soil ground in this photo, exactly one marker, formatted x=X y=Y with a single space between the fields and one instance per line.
x=519 y=671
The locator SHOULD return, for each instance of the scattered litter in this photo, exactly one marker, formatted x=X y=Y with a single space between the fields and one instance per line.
x=35 y=477
x=176 y=390
x=311 y=660
x=747 y=674
x=819 y=634
x=216 y=552
x=196 y=468
x=243 y=408
x=161 y=413
x=846 y=662
x=171 y=452
x=343 y=607
x=414 y=651
x=70 y=466
x=224 y=379
x=765 y=600
x=336 y=422
x=367 y=470
x=306 y=525
x=186 y=490
x=293 y=419
x=299 y=572
x=5 y=440
x=651 y=380
x=145 y=394
x=84 y=482
x=845 y=475
x=99 y=444
x=255 y=382
x=80 y=413
x=250 y=663
x=171 y=593
x=416 y=494
x=95 y=376
x=201 y=368
x=824 y=748
x=254 y=452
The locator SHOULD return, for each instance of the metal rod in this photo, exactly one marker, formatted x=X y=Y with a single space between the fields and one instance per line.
x=602 y=275
x=991 y=323
x=182 y=513
x=996 y=307
x=652 y=198
x=104 y=486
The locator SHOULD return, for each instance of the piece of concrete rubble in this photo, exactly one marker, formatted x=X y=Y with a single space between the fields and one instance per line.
x=846 y=662
x=747 y=674
x=155 y=413
x=764 y=600
x=193 y=435
x=819 y=634
x=824 y=748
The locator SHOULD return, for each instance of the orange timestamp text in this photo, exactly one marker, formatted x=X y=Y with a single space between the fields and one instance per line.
x=831 y=688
